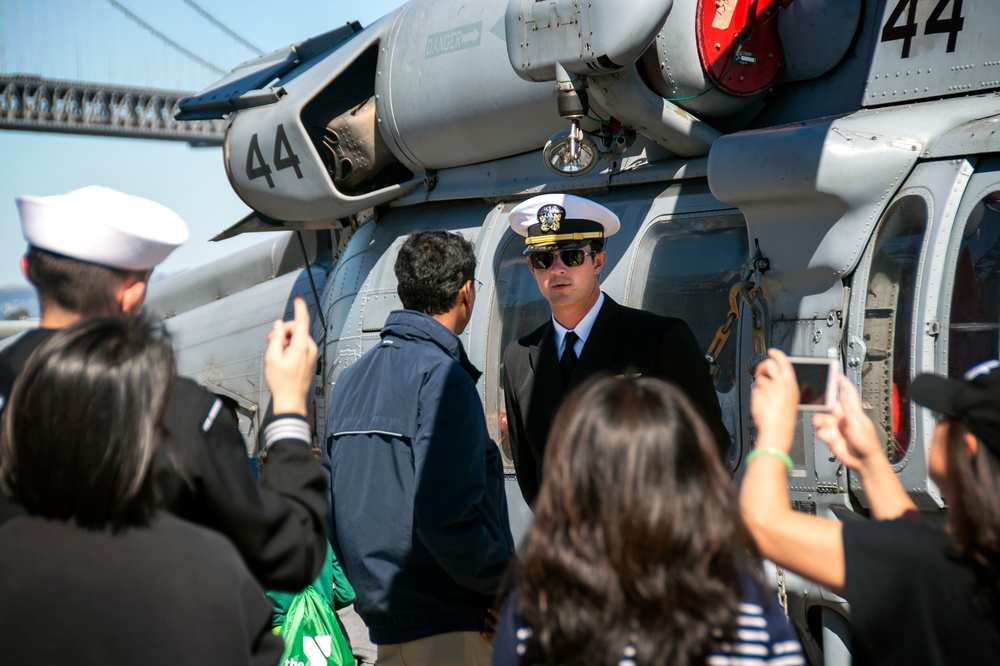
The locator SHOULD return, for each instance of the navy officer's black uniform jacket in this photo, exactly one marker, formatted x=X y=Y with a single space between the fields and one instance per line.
x=623 y=340
x=202 y=475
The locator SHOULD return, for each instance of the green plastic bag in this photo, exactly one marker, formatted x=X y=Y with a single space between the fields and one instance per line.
x=312 y=634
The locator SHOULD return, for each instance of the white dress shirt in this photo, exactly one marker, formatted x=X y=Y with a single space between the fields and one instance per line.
x=582 y=329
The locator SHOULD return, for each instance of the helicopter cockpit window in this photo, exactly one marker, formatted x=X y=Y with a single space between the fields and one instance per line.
x=685 y=266
x=888 y=320
x=974 y=322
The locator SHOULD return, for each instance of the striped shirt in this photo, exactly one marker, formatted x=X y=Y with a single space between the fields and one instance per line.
x=763 y=636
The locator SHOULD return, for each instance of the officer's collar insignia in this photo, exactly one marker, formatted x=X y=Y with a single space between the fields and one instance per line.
x=551 y=216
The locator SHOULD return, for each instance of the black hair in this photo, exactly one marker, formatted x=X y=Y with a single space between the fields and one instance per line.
x=83 y=421
x=432 y=267
x=76 y=286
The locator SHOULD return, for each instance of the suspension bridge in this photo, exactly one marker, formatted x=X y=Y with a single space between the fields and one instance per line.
x=112 y=67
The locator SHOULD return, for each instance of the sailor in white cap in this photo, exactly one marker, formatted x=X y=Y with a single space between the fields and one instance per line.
x=588 y=332
x=90 y=254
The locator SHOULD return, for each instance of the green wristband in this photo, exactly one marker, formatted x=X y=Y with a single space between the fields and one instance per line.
x=780 y=455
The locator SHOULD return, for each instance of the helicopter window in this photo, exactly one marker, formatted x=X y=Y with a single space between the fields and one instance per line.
x=888 y=321
x=974 y=326
x=521 y=309
x=685 y=267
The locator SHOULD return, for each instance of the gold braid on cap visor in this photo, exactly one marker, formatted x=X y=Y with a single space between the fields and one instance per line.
x=559 y=238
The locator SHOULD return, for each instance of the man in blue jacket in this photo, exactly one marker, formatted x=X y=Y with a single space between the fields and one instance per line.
x=418 y=507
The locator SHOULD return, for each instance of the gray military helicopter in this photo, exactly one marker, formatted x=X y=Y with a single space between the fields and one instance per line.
x=822 y=176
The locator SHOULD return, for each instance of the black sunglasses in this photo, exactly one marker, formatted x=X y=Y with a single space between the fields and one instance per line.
x=570 y=258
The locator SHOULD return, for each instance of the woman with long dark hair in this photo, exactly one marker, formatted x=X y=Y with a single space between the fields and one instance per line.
x=920 y=592
x=93 y=572
x=637 y=554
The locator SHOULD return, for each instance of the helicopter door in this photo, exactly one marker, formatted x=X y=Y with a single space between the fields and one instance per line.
x=928 y=289
x=969 y=329
x=684 y=266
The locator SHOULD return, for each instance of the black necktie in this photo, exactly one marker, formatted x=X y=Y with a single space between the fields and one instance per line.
x=568 y=359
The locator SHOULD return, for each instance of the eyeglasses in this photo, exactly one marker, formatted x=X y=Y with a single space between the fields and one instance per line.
x=476 y=285
x=570 y=258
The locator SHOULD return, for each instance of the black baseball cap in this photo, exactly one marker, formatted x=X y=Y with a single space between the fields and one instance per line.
x=974 y=400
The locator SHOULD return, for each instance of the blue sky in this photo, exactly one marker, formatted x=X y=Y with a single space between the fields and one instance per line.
x=192 y=181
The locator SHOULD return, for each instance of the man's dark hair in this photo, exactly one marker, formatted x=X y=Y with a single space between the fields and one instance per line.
x=432 y=267
x=76 y=286
x=80 y=430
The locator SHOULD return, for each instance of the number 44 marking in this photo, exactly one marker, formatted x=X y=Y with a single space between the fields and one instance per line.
x=283 y=158
x=936 y=25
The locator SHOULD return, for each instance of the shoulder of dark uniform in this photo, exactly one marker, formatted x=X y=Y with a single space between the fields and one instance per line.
x=516 y=357
x=194 y=406
x=650 y=323
x=15 y=355
x=532 y=339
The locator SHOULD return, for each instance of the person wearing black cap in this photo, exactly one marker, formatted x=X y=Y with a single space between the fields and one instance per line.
x=919 y=592
x=90 y=254
x=588 y=333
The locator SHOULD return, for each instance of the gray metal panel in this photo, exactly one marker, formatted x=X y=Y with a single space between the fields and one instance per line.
x=816 y=34
x=812 y=193
x=975 y=137
x=229 y=275
x=524 y=175
x=521 y=175
x=923 y=67
x=228 y=94
x=221 y=345
x=306 y=192
x=944 y=183
x=626 y=97
x=259 y=223
x=446 y=94
x=585 y=38
x=675 y=69
x=839 y=91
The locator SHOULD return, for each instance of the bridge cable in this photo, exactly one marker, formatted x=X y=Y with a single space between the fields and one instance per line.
x=156 y=33
x=222 y=26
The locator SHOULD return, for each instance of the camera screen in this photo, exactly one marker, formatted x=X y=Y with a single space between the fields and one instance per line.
x=813 y=379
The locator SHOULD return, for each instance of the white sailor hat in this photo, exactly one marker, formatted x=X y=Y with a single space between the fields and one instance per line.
x=561 y=220
x=102 y=226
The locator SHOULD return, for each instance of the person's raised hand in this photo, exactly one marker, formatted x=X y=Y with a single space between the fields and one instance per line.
x=847 y=430
x=290 y=362
x=774 y=402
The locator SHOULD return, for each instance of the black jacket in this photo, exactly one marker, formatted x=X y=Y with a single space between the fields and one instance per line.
x=203 y=475
x=171 y=593
x=623 y=341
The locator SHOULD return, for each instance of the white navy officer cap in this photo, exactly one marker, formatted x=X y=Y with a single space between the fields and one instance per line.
x=563 y=221
x=100 y=225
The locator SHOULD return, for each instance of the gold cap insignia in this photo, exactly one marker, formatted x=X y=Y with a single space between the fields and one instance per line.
x=551 y=216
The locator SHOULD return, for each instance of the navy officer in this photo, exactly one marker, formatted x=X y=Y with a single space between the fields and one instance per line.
x=588 y=332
